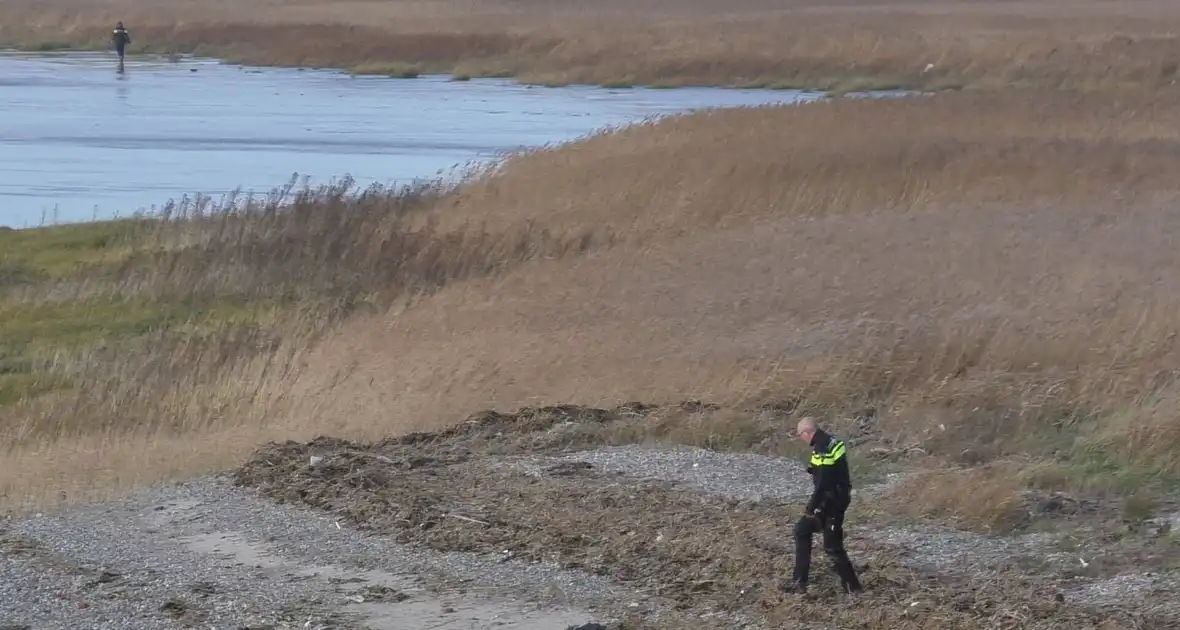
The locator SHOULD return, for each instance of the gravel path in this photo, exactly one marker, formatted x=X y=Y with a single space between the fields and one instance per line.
x=208 y=554
x=740 y=476
x=743 y=476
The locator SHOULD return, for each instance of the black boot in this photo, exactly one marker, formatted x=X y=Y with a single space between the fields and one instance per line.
x=847 y=573
x=834 y=548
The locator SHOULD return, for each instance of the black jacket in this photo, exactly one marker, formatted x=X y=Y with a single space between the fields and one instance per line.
x=829 y=473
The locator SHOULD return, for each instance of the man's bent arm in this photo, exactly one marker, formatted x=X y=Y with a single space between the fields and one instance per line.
x=826 y=478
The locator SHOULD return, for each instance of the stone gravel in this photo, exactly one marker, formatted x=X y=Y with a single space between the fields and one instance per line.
x=1146 y=592
x=208 y=554
x=747 y=476
x=945 y=549
x=741 y=476
x=36 y=592
x=162 y=545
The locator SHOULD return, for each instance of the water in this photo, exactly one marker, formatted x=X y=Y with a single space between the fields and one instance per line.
x=80 y=140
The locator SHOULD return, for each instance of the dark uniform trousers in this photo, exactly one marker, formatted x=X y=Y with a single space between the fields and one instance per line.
x=831 y=524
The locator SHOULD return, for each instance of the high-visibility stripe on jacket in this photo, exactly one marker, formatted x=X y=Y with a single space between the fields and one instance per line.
x=829 y=472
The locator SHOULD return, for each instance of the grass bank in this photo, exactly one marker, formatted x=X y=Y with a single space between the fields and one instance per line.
x=123 y=330
x=806 y=44
x=982 y=272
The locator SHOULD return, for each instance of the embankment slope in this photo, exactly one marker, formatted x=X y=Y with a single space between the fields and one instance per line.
x=973 y=289
x=1002 y=240
x=987 y=271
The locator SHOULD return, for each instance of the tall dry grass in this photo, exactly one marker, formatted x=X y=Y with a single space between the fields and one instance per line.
x=724 y=168
x=985 y=270
x=284 y=268
x=823 y=45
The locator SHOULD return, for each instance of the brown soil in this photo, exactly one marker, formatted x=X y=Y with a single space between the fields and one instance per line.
x=705 y=553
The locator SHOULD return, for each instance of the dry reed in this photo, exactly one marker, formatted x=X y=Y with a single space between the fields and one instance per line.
x=980 y=269
x=979 y=272
x=283 y=269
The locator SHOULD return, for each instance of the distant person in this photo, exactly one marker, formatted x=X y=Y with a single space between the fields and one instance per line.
x=121 y=38
x=825 y=510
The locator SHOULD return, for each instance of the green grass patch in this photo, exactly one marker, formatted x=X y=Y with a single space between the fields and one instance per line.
x=487 y=69
x=29 y=331
x=394 y=70
x=37 y=258
x=10 y=365
x=73 y=324
x=1092 y=473
x=16 y=274
x=16 y=387
x=623 y=83
x=58 y=251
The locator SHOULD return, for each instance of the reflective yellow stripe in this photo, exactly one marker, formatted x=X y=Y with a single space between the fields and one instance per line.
x=837 y=451
x=830 y=458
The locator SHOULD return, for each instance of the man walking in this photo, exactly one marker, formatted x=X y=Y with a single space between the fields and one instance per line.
x=825 y=510
x=120 y=37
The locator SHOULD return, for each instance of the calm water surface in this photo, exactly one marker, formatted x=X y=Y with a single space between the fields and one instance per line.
x=79 y=140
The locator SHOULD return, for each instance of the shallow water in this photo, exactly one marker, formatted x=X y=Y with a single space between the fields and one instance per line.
x=80 y=140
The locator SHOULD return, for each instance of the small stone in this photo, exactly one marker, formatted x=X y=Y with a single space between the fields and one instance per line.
x=175 y=607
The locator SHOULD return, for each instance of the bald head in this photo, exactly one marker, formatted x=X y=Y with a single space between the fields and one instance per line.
x=806 y=428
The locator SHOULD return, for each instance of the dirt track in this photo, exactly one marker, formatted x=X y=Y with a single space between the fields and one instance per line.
x=205 y=554
x=538 y=486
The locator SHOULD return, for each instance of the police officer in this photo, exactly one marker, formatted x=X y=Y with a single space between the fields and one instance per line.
x=825 y=511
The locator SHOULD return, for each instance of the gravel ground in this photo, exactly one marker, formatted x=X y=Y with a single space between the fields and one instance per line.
x=743 y=476
x=211 y=554
x=747 y=476
x=1136 y=590
x=944 y=549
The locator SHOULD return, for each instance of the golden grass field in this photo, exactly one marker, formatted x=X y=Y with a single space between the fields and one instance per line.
x=990 y=268
x=1001 y=287
x=843 y=45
